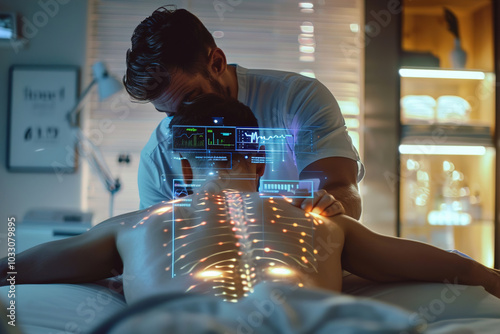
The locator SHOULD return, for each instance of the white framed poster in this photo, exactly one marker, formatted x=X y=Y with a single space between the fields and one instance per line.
x=40 y=139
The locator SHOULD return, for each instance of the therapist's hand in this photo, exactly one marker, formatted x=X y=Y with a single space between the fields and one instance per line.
x=322 y=203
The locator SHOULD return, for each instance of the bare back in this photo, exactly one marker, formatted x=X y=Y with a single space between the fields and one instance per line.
x=225 y=244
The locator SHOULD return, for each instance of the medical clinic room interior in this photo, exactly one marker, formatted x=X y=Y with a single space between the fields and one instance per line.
x=416 y=83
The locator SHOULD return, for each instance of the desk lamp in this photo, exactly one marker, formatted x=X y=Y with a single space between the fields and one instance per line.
x=106 y=87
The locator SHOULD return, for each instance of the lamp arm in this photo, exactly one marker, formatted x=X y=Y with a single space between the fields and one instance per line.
x=71 y=116
x=93 y=156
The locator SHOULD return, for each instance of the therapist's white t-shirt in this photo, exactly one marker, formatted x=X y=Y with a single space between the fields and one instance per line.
x=279 y=100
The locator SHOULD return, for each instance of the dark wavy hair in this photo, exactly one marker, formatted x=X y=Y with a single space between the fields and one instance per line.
x=168 y=40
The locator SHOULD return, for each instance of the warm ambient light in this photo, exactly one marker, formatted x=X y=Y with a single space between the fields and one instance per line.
x=307 y=27
x=442 y=149
x=306 y=5
x=440 y=74
x=436 y=217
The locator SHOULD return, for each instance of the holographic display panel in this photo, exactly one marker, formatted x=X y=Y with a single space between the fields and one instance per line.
x=221 y=138
x=234 y=139
x=188 y=138
x=287 y=188
x=209 y=160
x=181 y=189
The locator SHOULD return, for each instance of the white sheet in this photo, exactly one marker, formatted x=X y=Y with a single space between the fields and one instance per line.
x=441 y=308
x=273 y=308
x=62 y=308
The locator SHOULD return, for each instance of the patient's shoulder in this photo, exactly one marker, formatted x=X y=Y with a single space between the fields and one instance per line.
x=131 y=219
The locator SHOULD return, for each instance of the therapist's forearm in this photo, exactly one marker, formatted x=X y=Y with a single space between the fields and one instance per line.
x=349 y=196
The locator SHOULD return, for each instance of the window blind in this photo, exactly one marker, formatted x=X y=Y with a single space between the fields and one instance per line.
x=317 y=38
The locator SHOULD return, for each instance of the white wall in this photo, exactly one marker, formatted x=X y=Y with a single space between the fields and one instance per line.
x=57 y=37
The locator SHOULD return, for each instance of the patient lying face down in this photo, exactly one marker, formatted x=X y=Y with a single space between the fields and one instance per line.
x=224 y=238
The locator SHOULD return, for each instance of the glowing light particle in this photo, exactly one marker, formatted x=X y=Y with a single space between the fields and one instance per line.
x=285 y=230
x=304 y=249
x=162 y=210
x=303 y=234
x=267 y=249
x=280 y=271
x=301 y=241
x=165 y=230
x=210 y=274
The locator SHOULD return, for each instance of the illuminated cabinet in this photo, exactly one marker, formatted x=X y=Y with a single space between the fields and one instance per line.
x=447 y=186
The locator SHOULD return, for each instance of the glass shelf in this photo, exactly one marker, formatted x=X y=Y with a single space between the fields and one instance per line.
x=444 y=196
x=440 y=73
x=446 y=134
x=448 y=155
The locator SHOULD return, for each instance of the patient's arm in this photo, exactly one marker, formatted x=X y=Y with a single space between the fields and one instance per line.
x=388 y=259
x=84 y=258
